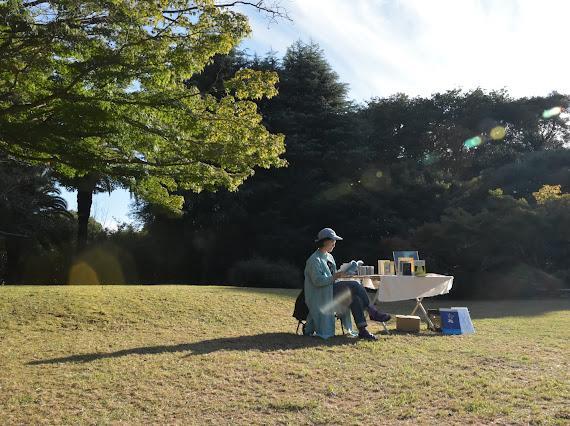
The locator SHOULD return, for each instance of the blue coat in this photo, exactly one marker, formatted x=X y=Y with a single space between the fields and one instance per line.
x=319 y=297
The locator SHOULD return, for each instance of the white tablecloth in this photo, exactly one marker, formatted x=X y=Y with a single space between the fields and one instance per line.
x=400 y=287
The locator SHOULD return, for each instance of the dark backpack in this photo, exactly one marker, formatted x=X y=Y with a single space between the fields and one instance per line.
x=301 y=310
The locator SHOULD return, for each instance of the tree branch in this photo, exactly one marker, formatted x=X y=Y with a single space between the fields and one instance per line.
x=11 y=234
x=275 y=12
x=34 y=3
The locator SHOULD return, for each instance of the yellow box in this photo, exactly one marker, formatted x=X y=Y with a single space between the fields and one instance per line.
x=386 y=267
x=408 y=323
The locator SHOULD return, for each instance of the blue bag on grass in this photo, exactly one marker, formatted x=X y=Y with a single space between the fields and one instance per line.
x=456 y=321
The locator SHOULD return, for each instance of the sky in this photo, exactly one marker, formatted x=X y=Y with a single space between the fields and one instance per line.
x=417 y=47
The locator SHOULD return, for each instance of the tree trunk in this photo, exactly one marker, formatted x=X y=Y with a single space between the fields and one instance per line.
x=85 y=188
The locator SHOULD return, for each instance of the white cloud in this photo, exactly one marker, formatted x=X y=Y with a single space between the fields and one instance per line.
x=420 y=47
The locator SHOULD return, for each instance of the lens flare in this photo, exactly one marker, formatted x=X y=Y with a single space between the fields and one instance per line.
x=497 y=133
x=105 y=264
x=82 y=273
x=375 y=180
x=337 y=191
x=339 y=303
x=473 y=142
x=552 y=112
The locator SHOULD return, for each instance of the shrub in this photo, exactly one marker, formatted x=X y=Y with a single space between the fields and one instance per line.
x=261 y=272
x=564 y=276
x=520 y=280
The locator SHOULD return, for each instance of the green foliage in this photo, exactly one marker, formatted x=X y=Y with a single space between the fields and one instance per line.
x=101 y=88
x=434 y=130
x=549 y=193
x=264 y=272
x=33 y=219
x=487 y=250
x=250 y=84
x=392 y=174
x=468 y=178
x=311 y=107
x=29 y=201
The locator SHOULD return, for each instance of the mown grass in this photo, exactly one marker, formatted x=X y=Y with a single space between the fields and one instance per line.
x=205 y=355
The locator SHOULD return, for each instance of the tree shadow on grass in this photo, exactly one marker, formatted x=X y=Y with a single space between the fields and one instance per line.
x=265 y=342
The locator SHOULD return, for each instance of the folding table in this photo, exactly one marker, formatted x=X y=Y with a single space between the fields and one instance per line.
x=392 y=288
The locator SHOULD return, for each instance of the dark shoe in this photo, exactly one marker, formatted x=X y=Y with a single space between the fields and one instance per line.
x=379 y=316
x=366 y=335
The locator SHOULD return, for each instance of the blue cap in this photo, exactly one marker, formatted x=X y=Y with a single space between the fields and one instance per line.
x=327 y=233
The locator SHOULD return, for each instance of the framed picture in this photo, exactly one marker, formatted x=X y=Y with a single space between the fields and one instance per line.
x=386 y=267
x=420 y=268
x=405 y=266
x=404 y=253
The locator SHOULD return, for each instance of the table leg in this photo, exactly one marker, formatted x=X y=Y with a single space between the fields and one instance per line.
x=418 y=301
x=425 y=314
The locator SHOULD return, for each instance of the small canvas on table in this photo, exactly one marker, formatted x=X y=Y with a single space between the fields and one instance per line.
x=420 y=268
x=404 y=253
x=386 y=267
x=405 y=266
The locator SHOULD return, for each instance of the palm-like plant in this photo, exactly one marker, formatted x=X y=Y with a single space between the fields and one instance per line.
x=29 y=206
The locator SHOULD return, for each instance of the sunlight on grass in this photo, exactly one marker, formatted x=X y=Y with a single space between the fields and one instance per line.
x=182 y=354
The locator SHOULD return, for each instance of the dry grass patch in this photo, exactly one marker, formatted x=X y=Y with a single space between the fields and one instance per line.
x=201 y=355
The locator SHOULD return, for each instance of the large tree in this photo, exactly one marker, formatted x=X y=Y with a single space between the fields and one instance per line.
x=312 y=109
x=99 y=90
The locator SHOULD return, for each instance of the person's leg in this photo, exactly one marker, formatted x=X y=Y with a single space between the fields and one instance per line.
x=358 y=292
x=345 y=291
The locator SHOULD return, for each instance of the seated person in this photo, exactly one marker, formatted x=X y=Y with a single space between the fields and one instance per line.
x=325 y=296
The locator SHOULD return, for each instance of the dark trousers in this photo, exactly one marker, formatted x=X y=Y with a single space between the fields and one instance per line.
x=351 y=294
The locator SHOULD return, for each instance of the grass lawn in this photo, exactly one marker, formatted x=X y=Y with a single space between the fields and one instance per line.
x=200 y=355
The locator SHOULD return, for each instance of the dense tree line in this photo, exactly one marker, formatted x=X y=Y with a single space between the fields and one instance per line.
x=475 y=180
